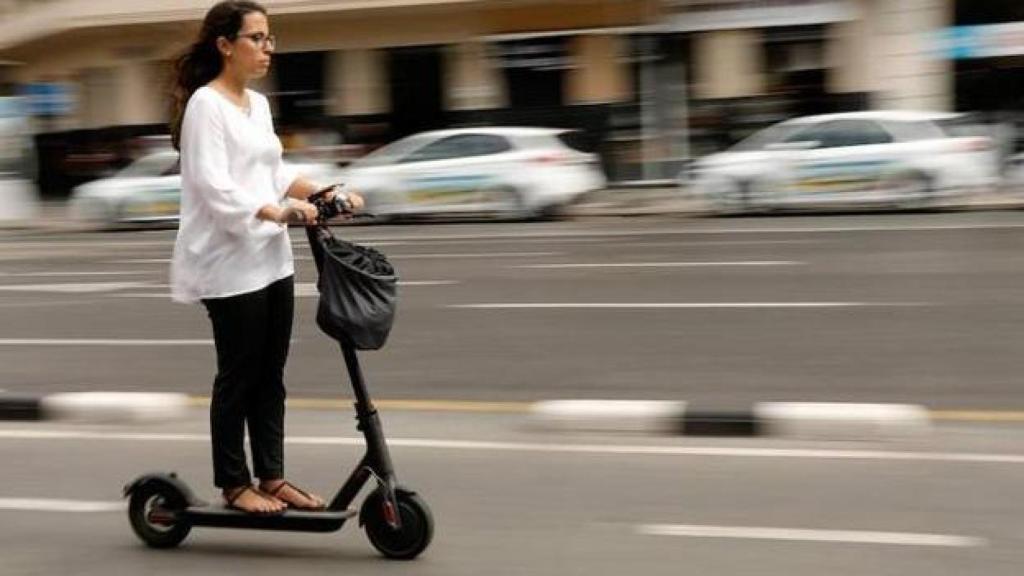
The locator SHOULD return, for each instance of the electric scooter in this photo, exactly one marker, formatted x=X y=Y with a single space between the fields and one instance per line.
x=163 y=509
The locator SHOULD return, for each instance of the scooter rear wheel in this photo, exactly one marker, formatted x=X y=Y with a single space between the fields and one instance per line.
x=153 y=511
x=417 y=525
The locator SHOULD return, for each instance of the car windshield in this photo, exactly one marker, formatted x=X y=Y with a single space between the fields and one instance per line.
x=152 y=165
x=770 y=135
x=964 y=126
x=390 y=153
x=577 y=140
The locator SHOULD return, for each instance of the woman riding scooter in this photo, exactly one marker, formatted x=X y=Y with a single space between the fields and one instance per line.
x=233 y=252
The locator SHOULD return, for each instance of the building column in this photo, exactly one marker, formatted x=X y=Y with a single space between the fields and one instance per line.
x=729 y=64
x=138 y=99
x=847 y=57
x=471 y=80
x=601 y=74
x=357 y=83
x=124 y=94
x=906 y=72
x=97 y=96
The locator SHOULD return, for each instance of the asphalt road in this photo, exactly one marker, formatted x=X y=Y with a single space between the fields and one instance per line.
x=920 y=308
x=923 y=308
x=508 y=500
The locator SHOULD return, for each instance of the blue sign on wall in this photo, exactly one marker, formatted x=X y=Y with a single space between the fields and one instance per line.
x=47 y=98
x=984 y=41
x=960 y=42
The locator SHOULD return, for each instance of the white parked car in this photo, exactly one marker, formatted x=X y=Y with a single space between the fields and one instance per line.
x=149 y=191
x=508 y=172
x=857 y=159
x=1013 y=177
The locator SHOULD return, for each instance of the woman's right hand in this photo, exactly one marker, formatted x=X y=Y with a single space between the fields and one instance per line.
x=298 y=212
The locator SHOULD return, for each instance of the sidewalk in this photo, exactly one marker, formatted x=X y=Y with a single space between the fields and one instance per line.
x=639 y=201
x=49 y=216
x=52 y=215
x=610 y=202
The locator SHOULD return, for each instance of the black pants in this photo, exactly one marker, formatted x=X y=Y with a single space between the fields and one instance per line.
x=252 y=332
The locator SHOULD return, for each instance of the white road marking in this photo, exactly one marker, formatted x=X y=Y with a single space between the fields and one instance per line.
x=100 y=342
x=471 y=255
x=55 y=505
x=555 y=234
x=804 y=535
x=60 y=244
x=34 y=274
x=43 y=304
x=304 y=258
x=302 y=289
x=520 y=234
x=80 y=288
x=493 y=446
x=690 y=243
x=682 y=305
x=301 y=243
x=457 y=255
x=664 y=264
x=298 y=258
x=514 y=239
x=308 y=289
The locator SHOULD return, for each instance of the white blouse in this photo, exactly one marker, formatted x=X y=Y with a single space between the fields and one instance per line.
x=230 y=167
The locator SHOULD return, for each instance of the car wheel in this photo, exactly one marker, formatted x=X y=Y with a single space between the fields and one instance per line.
x=510 y=204
x=735 y=199
x=913 y=190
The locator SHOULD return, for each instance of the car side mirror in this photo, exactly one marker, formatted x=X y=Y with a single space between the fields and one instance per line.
x=793 y=146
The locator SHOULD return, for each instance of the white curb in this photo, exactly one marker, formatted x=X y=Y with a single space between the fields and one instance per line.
x=114 y=406
x=608 y=415
x=836 y=420
x=809 y=420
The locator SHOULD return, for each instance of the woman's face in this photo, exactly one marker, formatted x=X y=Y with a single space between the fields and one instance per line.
x=249 y=54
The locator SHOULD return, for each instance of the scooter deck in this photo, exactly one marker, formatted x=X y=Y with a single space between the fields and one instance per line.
x=289 y=520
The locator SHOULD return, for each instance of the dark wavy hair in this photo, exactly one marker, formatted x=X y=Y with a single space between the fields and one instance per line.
x=201 y=62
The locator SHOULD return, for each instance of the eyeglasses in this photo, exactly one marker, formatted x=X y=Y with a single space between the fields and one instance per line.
x=261 y=40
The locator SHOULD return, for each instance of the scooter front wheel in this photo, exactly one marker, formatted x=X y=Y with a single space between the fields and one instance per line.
x=154 y=511
x=415 y=533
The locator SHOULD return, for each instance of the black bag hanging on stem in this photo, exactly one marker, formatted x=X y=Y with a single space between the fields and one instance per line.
x=358 y=291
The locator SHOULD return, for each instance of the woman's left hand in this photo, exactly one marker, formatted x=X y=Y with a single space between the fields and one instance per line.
x=353 y=200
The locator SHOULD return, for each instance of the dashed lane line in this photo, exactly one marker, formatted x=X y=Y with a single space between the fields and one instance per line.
x=805 y=535
x=38 y=434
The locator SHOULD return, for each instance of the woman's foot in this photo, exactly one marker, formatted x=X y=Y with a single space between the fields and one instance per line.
x=292 y=496
x=248 y=499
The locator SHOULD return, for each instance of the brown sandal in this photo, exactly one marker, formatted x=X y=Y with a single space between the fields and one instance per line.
x=306 y=495
x=230 y=502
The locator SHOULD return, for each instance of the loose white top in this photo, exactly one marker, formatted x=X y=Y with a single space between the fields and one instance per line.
x=230 y=167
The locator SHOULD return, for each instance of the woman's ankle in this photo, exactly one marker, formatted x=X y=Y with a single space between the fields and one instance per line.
x=234 y=490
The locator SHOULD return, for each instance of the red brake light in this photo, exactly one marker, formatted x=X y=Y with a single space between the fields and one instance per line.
x=552 y=158
x=979 y=144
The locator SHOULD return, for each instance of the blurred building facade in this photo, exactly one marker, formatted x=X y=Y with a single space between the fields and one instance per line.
x=655 y=82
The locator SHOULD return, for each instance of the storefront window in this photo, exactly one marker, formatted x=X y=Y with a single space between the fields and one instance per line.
x=795 y=67
x=535 y=70
x=416 y=89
